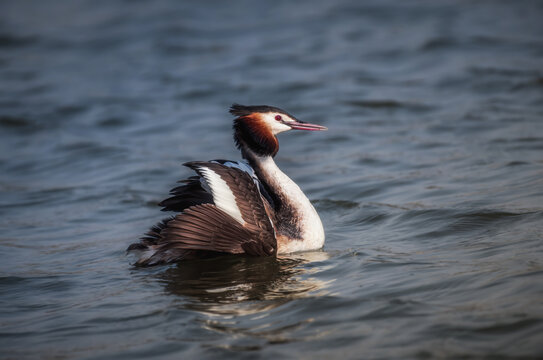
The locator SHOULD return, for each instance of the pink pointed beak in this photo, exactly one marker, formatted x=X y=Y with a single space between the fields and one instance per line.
x=299 y=125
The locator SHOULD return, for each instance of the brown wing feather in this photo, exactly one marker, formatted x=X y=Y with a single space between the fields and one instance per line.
x=209 y=229
x=248 y=197
x=252 y=208
x=204 y=228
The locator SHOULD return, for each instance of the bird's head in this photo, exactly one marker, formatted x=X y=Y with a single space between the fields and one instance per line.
x=255 y=127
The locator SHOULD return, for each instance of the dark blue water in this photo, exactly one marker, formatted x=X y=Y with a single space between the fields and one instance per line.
x=429 y=181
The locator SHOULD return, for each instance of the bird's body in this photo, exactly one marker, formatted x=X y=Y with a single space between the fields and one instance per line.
x=238 y=207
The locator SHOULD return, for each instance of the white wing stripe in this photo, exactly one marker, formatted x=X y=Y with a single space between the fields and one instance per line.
x=223 y=197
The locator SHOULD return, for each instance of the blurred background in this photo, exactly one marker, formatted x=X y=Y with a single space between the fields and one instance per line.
x=429 y=181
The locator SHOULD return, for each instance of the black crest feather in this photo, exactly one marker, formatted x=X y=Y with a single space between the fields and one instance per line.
x=243 y=110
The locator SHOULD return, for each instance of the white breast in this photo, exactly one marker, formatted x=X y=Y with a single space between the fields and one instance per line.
x=312 y=231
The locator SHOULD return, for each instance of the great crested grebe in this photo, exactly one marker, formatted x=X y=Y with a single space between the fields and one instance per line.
x=237 y=207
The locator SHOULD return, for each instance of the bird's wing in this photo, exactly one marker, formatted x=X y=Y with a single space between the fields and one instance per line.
x=184 y=196
x=235 y=192
x=195 y=192
x=236 y=222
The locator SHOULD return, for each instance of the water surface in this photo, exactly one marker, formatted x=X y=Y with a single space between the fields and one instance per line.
x=429 y=181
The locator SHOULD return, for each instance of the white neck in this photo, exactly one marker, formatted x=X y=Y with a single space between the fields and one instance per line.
x=296 y=217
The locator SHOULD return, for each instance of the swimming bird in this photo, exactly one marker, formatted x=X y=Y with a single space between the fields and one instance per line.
x=237 y=207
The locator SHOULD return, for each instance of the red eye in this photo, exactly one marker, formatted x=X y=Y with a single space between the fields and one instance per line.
x=278 y=117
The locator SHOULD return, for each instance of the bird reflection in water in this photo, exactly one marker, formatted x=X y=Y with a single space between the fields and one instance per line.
x=238 y=285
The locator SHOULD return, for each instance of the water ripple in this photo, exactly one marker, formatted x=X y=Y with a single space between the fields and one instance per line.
x=428 y=180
